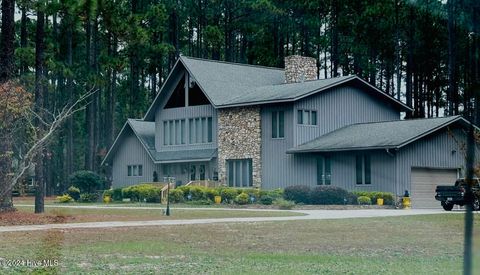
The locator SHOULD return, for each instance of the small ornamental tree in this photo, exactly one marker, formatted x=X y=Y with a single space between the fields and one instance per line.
x=15 y=103
x=86 y=181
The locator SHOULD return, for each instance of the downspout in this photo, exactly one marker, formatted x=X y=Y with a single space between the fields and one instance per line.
x=396 y=172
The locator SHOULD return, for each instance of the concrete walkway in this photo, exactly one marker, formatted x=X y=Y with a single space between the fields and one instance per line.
x=307 y=215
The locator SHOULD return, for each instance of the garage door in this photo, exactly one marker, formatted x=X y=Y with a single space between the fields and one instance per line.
x=424 y=182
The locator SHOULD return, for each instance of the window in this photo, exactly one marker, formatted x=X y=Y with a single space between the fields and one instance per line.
x=324 y=170
x=278 y=124
x=239 y=172
x=177 y=99
x=174 y=132
x=200 y=130
x=135 y=170
x=307 y=117
x=210 y=129
x=363 y=169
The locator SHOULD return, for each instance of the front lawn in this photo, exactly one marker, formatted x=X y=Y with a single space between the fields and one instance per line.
x=428 y=244
x=71 y=214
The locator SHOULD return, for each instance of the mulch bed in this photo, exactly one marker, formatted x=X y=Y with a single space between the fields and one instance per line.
x=24 y=218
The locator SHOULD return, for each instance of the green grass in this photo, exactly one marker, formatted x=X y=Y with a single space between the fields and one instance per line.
x=121 y=214
x=429 y=244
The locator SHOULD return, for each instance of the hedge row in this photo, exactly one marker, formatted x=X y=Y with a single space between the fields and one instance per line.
x=333 y=195
x=302 y=194
x=388 y=198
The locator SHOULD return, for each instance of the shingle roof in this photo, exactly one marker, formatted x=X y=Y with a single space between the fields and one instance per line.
x=145 y=131
x=185 y=155
x=377 y=135
x=232 y=84
x=222 y=81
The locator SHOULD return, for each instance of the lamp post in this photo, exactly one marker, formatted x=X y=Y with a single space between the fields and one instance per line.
x=169 y=181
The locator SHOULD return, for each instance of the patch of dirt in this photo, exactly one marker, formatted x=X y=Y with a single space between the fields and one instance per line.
x=23 y=218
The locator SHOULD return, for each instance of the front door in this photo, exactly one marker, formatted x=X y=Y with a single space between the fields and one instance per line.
x=198 y=172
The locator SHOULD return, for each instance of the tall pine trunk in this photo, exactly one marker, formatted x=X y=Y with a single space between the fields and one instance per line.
x=39 y=105
x=452 y=91
x=90 y=110
x=7 y=39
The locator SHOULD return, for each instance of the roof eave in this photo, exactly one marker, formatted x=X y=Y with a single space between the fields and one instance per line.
x=107 y=156
x=402 y=106
x=150 y=109
x=196 y=79
x=422 y=135
x=114 y=144
x=305 y=151
x=182 y=161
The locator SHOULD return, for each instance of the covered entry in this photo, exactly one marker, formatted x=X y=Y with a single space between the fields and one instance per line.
x=424 y=181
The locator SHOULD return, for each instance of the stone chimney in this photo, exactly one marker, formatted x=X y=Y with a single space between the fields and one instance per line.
x=300 y=68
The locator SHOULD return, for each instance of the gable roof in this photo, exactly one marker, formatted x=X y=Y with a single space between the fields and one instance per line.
x=232 y=84
x=376 y=135
x=145 y=133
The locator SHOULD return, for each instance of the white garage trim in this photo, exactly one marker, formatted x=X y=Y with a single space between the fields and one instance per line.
x=423 y=184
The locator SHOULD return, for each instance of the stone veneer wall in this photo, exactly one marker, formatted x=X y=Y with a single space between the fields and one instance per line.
x=300 y=68
x=239 y=137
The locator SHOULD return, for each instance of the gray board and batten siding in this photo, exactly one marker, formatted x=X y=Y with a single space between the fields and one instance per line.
x=338 y=107
x=281 y=169
x=131 y=152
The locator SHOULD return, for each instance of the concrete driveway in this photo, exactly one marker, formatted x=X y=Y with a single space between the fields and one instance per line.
x=303 y=215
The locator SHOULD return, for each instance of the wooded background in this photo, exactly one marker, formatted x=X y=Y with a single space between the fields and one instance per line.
x=424 y=52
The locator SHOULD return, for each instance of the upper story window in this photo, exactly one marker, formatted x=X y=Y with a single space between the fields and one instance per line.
x=324 y=170
x=200 y=130
x=135 y=170
x=186 y=93
x=363 y=169
x=278 y=124
x=307 y=117
x=174 y=132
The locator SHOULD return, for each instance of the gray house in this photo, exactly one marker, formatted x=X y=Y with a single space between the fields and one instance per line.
x=253 y=126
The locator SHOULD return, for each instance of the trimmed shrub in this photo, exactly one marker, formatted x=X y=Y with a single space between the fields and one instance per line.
x=388 y=198
x=117 y=194
x=284 y=204
x=329 y=195
x=176 y=195
x=65 y=198
x=243 y=198
x=352 y=198
x=228 y=194
x=275 y=193
x=74 y=192
x=87 y=181
x=210 y=193
x=198 y=193
x=141 y=192
x=108 y=193
x=297 y=193
x=184 y=189
x=252 y=192
x=266 y=200
x=88 y=197
x=364 y=200
x=200 y=202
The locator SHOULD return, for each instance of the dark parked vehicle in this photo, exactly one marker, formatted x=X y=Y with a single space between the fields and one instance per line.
x=450 y=195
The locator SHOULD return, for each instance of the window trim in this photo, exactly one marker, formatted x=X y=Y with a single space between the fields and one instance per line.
x=135 y=170
x=235 y=179
x=307 y=117
x=364 y=160
x=278 y=129
x=324 y=177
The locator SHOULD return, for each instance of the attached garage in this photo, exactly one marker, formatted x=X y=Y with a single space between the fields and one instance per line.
x=424 y=181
